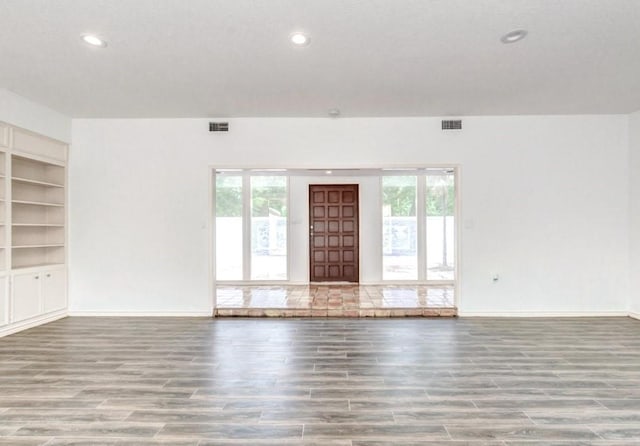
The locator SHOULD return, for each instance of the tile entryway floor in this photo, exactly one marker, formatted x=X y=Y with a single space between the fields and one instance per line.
x=336 y=301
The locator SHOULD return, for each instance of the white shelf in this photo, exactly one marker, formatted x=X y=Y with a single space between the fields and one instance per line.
x=36 y=266
x=54 y=245
x=38 y=182
x=37 y=203
x=37 y=225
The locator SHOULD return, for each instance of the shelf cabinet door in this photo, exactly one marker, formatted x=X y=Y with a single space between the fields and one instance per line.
x=25 y=296
x=54 y=290
x=4 y=302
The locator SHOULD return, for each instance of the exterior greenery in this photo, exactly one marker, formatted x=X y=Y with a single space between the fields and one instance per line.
x=268 y=196
x=441 y=199
x=228 y=196
x=399 y=196
x=399 y=193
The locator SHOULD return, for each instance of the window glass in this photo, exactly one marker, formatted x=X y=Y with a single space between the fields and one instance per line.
x=228 y=227
x=440 y=226
x=269 y=228
x=399 y=226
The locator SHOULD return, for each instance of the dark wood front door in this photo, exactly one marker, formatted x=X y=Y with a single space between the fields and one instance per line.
x=333 y=236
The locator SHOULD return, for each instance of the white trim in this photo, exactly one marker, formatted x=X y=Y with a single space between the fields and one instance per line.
x=458 y=236
x=509 y=314
x=31 y=323
x=381 y=235
x=211 y=237
x=141 y=313
x=289 y=245
x=246 y=227
x=634 y=315
x=421 y=226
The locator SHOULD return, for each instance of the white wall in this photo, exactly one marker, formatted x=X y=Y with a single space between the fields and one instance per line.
x=29 y=115
x=634 y=167
x=544 y=204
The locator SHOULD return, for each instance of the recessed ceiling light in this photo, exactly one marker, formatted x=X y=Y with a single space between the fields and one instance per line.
x=94 y=40
x=514 y=36
x=328 y=172
x=299 y=39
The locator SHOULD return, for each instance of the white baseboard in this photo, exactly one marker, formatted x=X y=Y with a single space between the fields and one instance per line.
x=544 y=314
x=31 y=323
x=634 y=315
x=141 y=314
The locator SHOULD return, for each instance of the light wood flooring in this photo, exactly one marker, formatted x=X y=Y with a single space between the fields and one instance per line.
x=334 y=382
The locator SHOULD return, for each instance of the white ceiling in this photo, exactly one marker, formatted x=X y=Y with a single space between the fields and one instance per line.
x=200 y=58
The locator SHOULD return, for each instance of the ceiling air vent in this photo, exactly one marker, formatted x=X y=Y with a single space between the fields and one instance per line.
x=451 y=124
x=218 y=126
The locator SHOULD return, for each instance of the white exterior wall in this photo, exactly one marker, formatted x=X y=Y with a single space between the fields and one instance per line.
x=544 y=203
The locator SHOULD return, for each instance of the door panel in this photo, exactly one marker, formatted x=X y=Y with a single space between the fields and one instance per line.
x=333 y=240
x=25 y=302
x=4 y=304
x=54 y=290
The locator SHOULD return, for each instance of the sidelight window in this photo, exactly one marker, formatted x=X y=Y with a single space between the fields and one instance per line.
x=229 y=227
x=250 y=227
x=418 y=224
x=399 y=226
x=440 y=226
x=269 y=228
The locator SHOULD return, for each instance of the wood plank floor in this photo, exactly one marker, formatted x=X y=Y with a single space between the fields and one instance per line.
x=334 y=382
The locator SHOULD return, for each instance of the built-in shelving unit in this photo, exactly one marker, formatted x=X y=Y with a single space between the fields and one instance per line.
x=3 y=213
x=38 y=224
x=32 y=229
x=38 y=197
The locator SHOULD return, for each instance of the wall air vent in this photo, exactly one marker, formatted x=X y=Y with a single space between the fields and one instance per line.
x=451 y=124
x=218 y=126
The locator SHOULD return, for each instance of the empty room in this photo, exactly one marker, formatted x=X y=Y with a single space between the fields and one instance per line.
x=320 y=222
